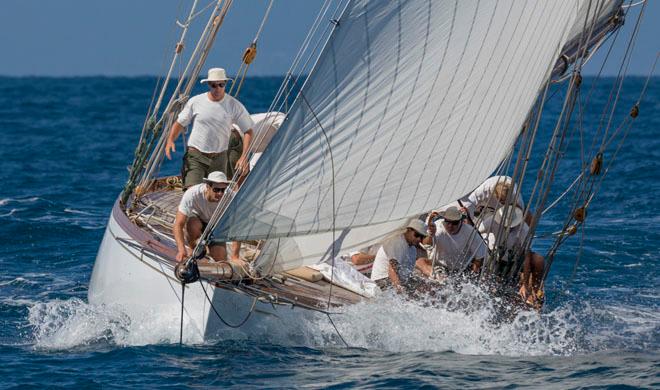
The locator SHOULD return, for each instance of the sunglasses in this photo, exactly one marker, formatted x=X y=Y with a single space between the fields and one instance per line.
x=453 y=223
x=217 y=85
x=419 y=235
x=218 y=189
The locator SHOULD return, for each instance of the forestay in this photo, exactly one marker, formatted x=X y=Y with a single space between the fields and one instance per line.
x=420 y=101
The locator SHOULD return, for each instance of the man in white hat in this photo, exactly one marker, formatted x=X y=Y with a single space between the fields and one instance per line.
x=397 y=258
x=506 y=232
x=455 y=245
x=195 y=210
x=212 y=115
x=491 y=195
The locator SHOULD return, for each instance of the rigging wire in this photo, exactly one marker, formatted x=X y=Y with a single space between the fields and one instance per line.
x=585 y=195
x=241 y=323
x=334 y=215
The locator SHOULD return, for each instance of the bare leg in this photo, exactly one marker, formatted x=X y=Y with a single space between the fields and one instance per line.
x=218 y=252
x=235 y=251
x=530 y=280
x=537 y=268
x=194 y=230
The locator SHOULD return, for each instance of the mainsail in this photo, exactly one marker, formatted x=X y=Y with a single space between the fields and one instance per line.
x=411 y=105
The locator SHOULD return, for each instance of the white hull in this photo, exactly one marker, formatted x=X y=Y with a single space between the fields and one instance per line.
x=138 y=285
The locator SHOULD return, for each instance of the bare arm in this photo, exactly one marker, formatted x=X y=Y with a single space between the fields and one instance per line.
x=174 y=134
x=424 y=265
x=393 y=274
x=177 y=229
x=362 y=258
x=428 y=240
x=242 y=163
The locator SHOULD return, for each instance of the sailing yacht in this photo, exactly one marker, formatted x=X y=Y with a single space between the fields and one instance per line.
x=396 y=108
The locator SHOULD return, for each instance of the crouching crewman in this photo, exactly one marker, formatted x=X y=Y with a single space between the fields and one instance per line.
x=195 y=210
x=397 y=258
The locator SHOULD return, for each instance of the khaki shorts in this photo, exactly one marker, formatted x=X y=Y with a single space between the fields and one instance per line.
x=198 y=165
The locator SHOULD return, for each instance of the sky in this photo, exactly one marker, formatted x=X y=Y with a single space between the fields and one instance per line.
x=136 y=37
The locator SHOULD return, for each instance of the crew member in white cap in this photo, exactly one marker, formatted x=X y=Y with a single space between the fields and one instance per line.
x=455 y=245
x=397 y=257
x=212 y=115
x=194 y=213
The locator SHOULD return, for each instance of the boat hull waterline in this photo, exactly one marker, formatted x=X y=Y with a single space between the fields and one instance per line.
x=125 y=278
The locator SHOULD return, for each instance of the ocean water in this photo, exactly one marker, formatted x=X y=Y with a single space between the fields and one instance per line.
x=65 y=146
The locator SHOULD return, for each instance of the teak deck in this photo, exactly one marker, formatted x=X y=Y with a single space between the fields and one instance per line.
x=154 y=215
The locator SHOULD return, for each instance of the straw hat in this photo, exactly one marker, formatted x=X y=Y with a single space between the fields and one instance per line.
x=216 y=74
x=513 y=219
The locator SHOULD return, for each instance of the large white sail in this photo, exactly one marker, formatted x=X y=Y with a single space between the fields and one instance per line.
x=416 y=102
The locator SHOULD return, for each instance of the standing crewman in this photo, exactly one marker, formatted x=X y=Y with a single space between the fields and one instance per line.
x=212 y=115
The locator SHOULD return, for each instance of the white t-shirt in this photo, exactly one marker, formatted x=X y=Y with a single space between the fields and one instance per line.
x=484 y=195
x=489 y=230
x=195 y=204
x=395 y=247
x=211 y=121
x=457 y=251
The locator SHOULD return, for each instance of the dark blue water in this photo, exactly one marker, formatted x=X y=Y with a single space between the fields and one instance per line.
x=65 y=146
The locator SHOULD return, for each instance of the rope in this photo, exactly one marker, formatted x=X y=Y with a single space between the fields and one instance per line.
x=595 y=185
x=633 y=5
x=247 y=317
x=334 y=215
x=563 y=194
x=183 y=295
x=263 y=21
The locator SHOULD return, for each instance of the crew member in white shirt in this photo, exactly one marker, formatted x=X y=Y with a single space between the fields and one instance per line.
x=195 y=211
x=397 y=257
x=508 y=223
x=212 y=115
x=455 y=245
x=491 y=195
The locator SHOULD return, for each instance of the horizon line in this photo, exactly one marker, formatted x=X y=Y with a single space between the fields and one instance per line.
x=100 y=75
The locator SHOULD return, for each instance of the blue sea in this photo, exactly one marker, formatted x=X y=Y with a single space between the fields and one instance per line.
x=65 y=146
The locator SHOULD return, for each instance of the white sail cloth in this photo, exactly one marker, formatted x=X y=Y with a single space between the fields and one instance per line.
x=411 y=105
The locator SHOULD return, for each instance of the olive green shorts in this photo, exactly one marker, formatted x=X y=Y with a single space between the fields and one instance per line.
x=197 y=166
x=234 y=152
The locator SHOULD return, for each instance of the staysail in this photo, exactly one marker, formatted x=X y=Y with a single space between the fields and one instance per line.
x=411 y=105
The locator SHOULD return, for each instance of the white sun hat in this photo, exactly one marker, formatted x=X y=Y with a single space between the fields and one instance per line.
x=216 y=177
x=216 y=74
x=513 y=219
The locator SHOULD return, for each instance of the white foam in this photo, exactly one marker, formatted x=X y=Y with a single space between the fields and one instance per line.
x=66 y=324
x=15 y=200
x=397 y=325
x=462 y=323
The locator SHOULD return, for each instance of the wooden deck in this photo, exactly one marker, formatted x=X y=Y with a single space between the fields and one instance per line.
x=154 y=214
